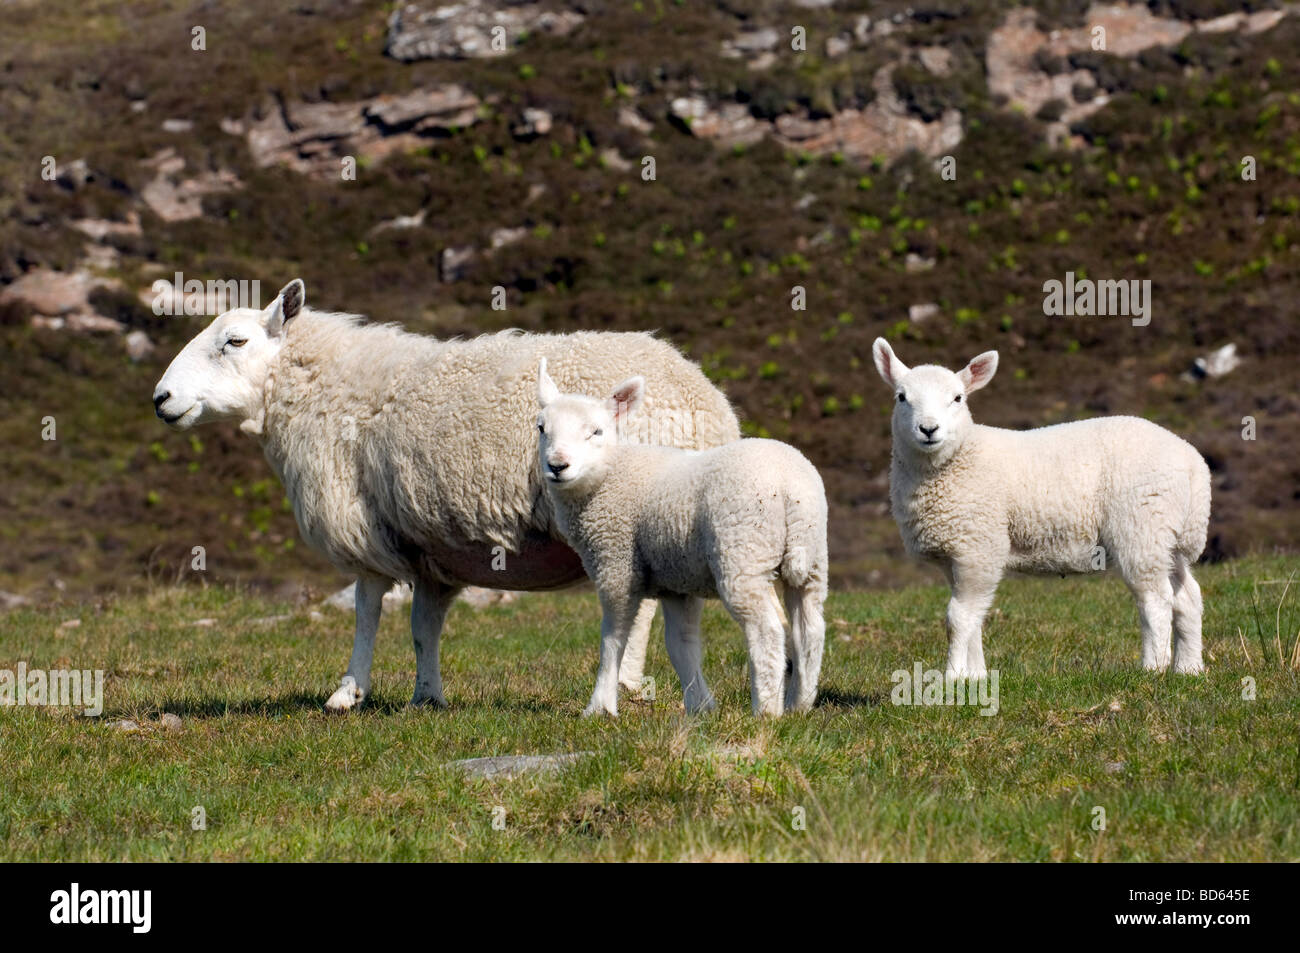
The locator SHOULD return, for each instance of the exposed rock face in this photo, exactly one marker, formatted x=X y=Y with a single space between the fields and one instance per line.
x=883 y=127
x=61 y=299
x=313 y=137
x=467 y=30
x=1012 y=49
x=175 y=199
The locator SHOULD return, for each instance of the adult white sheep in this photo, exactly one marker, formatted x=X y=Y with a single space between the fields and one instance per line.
x=981 y=500
x=408 y=458
x=683 y=526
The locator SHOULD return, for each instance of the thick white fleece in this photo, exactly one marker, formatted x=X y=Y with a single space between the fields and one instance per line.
x=408 y=457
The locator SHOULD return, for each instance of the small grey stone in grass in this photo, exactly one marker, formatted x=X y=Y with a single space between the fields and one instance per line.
x=508 y=767
x=126 y=724
x=170 y=722
x=1115 y=767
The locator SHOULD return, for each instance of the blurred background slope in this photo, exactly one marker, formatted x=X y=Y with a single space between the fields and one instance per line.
x=523 y=168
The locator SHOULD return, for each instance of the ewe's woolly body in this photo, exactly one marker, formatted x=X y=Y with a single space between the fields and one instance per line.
x=1043 y=500
x=409 y=457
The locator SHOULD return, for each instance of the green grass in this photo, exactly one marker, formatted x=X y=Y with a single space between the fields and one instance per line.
x=1206 y=775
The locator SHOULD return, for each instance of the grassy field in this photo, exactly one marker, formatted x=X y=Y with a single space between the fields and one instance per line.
x=1184 y=768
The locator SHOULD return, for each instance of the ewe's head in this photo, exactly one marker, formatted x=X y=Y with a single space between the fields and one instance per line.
x=221 y=373
x=931 y=418
x=575 y=432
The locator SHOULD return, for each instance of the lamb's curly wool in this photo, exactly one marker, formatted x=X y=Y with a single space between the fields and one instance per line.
x=409 y=458
x=682 y=526
x=1070 y=498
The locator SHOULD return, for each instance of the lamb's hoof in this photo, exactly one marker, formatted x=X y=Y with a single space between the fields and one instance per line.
x=594 y=709
x=1191 y=668
x=967 y=674
x=427 y=701
x=346 y=697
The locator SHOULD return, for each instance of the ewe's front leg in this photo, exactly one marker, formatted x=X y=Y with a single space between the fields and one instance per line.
x=618 y=616
x=973 y=588
x=428 y=612
x=685 y=650
x=631 y=670
x=356 y=683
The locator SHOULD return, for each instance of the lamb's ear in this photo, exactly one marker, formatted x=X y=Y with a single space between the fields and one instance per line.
x=627 y=397
x=546 y=389
x=891 y=369
x=979 y=371
x=285 y=307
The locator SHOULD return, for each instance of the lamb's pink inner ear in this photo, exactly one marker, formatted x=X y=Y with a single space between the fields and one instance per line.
x=627 y=397
x=979 y=371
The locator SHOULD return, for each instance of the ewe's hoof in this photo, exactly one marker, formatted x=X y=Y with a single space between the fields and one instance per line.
x=346 y=697
x=429 y=701
x=972 y=675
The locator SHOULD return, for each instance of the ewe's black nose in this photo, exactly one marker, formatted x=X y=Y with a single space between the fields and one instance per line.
x=160 y=398
x=558 y=468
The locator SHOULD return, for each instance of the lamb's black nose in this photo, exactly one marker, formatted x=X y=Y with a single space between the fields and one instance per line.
x=160 y=398
x=558 y=468
x=928 y=431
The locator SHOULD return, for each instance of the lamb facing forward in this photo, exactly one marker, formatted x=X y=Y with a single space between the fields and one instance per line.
x=682 y=526
x=979 y=501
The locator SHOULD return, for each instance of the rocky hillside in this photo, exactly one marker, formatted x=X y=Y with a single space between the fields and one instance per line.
x=770 y=184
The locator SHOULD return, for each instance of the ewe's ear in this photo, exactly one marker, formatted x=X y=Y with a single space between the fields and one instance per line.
x=546 y=389
x=285 y=307
x=627 y=397
x=979 y=371
x=891 y=369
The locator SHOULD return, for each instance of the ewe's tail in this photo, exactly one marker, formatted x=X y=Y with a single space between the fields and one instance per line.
x=803 y=571
x=1191 y=541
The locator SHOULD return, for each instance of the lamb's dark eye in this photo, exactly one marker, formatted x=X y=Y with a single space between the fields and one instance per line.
x=597 y=432
x=957 y=399
x=901 y=398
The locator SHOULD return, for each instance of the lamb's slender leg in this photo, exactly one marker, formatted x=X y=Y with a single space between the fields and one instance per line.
x=429 y=607
x=754 y=605
x=356 y=683
x=685 y=650
x=973 y=588
x=632 y=669
x=618 y=615
x=1155 y=600
x=1187 y=621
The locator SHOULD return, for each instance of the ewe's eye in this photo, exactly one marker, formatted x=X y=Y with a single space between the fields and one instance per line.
x=596 y=433
x=541 y=428
x=236 y=342
x=957 y=399
x=901 y=399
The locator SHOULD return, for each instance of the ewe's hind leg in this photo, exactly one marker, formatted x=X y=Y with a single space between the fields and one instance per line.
x=753 y=603
x=356 y=683
x=632 y=669
x=618 y=616
x=428 y=612
x=1187 y=620
x=973 y=588
x=685 y=650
